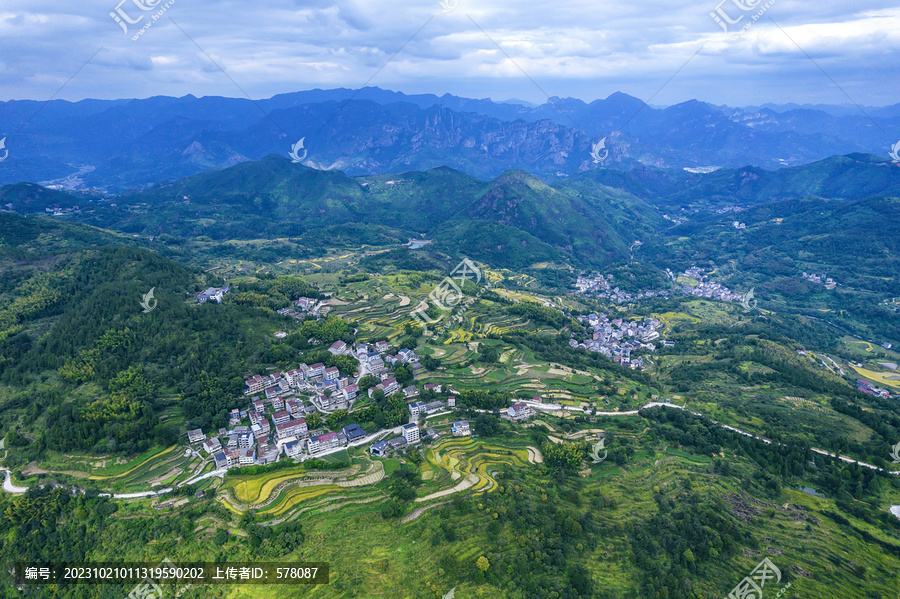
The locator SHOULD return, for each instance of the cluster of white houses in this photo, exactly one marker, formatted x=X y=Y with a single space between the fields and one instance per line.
x=277 y=414
x=330 y=389
x=289 y=435
x=262 y=443
x=212 y=293
x=305 y=306
x=409 y=435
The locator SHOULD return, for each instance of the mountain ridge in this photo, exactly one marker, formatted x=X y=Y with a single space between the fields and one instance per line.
x=118 y=145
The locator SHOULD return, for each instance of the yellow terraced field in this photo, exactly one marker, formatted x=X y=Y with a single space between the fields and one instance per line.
x=257 y=489
x=468 y=457
x=130 y=470
x=296 y=496
x=459 y=336
x=884 y=378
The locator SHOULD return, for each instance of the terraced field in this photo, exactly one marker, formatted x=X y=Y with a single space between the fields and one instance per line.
x=466 y=464
x=277 y=492
x=256 y=489
x=296 y=496
x=164 y=468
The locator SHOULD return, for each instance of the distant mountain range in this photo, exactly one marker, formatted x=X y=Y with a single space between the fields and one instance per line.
x=513 y=220
x=117 y=145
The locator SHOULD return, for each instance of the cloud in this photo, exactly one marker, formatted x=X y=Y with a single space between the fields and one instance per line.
x=581 y=48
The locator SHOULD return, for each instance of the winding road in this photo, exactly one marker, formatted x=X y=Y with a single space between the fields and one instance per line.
x=9 y=487
x=556 y=408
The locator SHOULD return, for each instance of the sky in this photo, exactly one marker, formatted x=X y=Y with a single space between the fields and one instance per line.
x=829 y=51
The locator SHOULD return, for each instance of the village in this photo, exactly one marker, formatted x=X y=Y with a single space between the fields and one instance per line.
x=820 y=280
x=618 y=338
x=274 y=423
x=600 y=286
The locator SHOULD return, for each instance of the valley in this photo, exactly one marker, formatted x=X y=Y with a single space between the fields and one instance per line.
x=758 y=399
x=449 y=300
x=514 y=386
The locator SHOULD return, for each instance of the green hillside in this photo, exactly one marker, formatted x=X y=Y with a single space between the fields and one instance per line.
x=850 y=177
x=96 y=393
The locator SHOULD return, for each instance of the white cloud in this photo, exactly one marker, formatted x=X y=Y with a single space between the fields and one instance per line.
x=579 y=48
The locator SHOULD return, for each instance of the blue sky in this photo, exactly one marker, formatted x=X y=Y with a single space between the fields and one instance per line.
x=662 y=52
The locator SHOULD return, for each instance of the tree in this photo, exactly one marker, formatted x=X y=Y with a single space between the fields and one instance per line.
x=488 y=354
x=483 y=564
x=335 y=418
x=347 y=365
x=314 y=421
x=564 y=456
x=486 y=425
x=404 y=375
x=430 y=363
x=14 y=439
x=411 y=330
x=367 y=382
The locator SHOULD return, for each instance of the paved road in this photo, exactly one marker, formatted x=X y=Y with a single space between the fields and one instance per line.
x=554 y=408
x=9 y=487
x=136 y=495
x=543 y=407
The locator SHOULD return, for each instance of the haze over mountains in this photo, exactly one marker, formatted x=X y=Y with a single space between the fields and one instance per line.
x=125 y=144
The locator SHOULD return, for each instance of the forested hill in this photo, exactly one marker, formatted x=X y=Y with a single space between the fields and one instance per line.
x=530 y=221
x=26 y=240
x=91 y=369
x=846 y=178
x=857 y=243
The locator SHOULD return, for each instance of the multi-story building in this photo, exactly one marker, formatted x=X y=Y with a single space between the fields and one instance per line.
x=410 y=433
x=196 y=435
x=258 y=383
x=211 y=446
x=247 y=457
x=293 y=428
x=323 y=442
x=295 y=408
x=293 y=449
x=294 y=377
x=520 y=411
